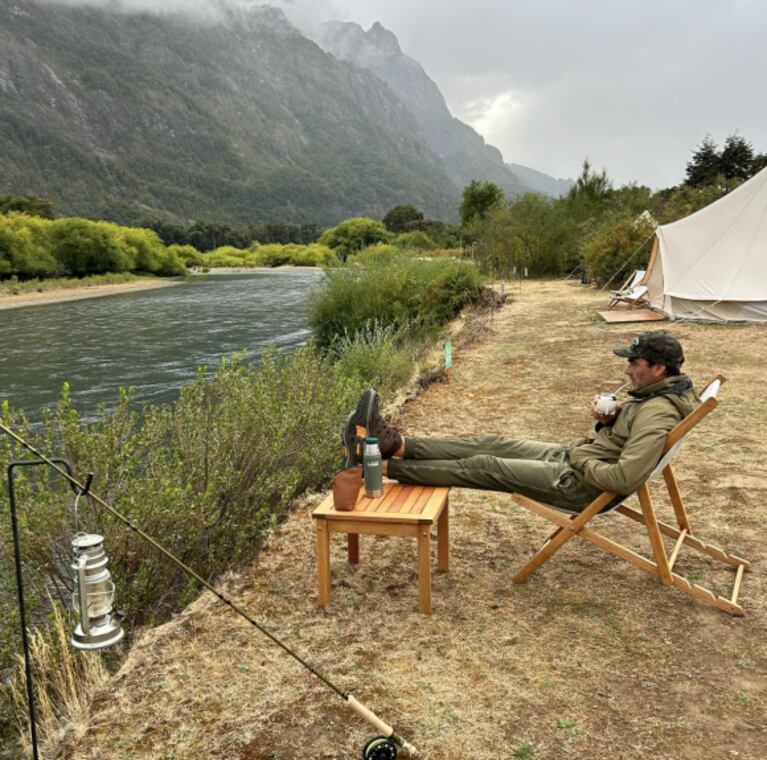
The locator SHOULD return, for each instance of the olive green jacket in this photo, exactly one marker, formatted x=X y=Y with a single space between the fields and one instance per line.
x=621 y=456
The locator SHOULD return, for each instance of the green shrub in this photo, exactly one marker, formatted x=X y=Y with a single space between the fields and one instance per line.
x=380 y=254
x=25 y=248
x=418 y=240
x=375 y=356
x=612 y=245
x=83 y=247
x=353 y=235
x=188 y=254
x=207 y=476
x=225 y=256
x=396 y=291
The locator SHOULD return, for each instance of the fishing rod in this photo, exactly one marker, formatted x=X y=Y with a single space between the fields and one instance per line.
x=380 y=748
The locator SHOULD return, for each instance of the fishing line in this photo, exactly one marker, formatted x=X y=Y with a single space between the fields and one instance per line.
x=357 y=706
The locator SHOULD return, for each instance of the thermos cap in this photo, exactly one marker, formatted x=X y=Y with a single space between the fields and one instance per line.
x=371 y=439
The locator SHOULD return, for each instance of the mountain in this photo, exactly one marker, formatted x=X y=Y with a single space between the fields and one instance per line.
x=237 y=118
x=539 y=182
x=465 y=152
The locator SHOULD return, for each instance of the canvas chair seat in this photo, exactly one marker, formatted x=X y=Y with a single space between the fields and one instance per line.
x=662 y=564
x=633 y=297
x=631 y=292
x=634 y=279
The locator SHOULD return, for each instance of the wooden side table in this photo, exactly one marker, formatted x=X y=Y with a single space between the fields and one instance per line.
x=403 y=510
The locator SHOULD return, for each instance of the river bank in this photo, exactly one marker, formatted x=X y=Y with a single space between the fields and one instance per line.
x=60 y=295
x=554 y=668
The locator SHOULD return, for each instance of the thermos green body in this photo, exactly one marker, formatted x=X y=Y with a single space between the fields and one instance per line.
x=371 y=466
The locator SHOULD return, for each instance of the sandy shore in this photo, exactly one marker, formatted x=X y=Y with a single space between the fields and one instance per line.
x=59 y=295
x=251 y=270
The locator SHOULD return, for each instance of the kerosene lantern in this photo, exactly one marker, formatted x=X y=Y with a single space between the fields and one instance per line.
x=94 y=595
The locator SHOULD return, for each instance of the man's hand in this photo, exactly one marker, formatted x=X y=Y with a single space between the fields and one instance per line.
x=603 y=419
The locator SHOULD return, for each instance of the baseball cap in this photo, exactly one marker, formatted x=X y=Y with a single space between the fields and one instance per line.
x=657 y=347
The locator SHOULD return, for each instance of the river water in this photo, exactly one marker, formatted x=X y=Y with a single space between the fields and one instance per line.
x=152 y=340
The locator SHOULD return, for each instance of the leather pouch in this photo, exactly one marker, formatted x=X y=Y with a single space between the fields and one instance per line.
x=347 y=486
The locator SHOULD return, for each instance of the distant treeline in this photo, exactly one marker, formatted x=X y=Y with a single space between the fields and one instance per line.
x=207 y=236
x=596 y=230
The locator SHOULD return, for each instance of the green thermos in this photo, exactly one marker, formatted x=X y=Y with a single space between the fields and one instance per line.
x=371 y=466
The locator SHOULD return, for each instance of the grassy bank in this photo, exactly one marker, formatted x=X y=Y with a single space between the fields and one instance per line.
x=16 y=287
x=591 y=658
x=210 y=475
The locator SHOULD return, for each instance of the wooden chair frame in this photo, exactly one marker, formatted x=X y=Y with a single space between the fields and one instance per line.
x=634 y=297
x=662 y=563
x=632 y=292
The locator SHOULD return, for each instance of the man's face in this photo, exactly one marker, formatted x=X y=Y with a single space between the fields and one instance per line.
x=642 y=373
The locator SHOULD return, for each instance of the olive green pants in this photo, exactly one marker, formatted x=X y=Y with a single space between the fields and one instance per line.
x=540 y=471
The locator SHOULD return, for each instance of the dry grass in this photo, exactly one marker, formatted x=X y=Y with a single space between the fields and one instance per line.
x=65 y=681
x=590 y=659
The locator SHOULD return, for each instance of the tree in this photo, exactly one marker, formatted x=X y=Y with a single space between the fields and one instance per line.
x=705 y=165
x=478 y=199
x=31 y=204
x=401 y=217
x=737 y=158
x=83 y=247
x=591 y=186
x=759 y=163
x=352 y=235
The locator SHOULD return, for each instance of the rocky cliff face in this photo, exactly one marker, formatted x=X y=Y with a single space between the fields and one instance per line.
x=466 y=153
x=237 y=118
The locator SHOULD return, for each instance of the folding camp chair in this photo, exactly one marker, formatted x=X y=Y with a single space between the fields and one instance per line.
x=570 y=524
x=632 y=292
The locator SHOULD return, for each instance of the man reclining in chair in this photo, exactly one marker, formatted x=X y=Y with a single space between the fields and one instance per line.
x=618 y=456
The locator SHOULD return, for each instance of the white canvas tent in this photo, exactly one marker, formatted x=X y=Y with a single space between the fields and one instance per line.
x=712 y=265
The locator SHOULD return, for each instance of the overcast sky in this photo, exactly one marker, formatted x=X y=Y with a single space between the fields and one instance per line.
x=633 y=86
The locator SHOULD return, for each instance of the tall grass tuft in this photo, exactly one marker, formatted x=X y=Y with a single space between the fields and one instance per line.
x=65 y=681
x=375 y=356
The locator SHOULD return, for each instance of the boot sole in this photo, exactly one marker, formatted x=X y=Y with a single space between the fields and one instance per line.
x=353 y=432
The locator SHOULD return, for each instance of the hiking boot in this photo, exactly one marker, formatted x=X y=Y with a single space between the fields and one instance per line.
x=389 y=438
x=358 y=425
x=365 y=421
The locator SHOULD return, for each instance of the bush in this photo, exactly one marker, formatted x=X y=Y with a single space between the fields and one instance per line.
x=375 y=356
x=188 y=254
x=610 y=246
x=225 y=256
x=353 y=235
x=393 y=291
x=314 y=255
x=208 y=477
x=25 y=247
x=418 y=240
x=83 y=247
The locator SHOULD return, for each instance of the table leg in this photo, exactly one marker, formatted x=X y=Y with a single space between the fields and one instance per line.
x=424 y=569
x=353 y=542
x=323 y=562
x=443 y=541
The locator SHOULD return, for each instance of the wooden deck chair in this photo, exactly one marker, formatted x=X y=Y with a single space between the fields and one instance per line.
x=632 y=291
x=662 y=564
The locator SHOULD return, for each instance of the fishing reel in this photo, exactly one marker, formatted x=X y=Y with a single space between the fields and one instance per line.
x=380 y=748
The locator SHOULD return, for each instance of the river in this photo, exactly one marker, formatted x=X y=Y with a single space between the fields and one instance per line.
x=153 y=340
